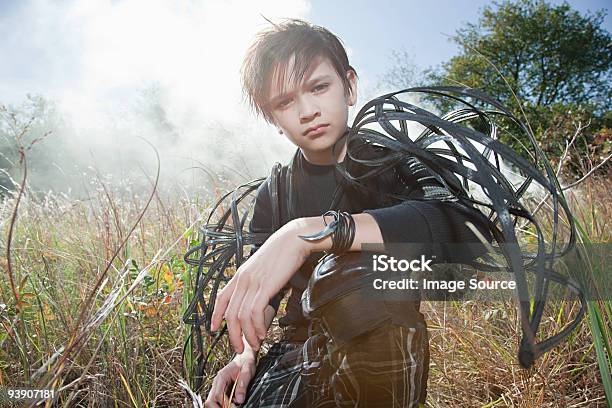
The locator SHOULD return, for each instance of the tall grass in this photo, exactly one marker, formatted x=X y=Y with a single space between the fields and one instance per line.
x=132 y=340
x=593 y=229
x=474 y=344
x=132 y=343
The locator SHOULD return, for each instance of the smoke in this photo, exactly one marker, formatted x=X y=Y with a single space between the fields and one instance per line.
x=115 y=72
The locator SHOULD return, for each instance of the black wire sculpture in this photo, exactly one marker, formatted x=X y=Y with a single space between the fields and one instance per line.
x=463 y=151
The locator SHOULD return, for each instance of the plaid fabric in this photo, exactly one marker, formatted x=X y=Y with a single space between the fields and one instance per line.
x=387 y=367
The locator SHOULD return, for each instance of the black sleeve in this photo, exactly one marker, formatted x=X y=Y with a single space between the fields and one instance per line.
x=427 y=216
x=427 y=222
x=262 y=222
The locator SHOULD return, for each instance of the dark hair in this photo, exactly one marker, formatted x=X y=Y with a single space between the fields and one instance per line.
x=272 y=51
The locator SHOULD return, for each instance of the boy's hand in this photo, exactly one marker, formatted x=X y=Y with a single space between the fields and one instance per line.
x=243 y=300
x=241 y=369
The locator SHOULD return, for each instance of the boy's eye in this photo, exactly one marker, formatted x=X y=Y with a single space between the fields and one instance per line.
x=283 y=103
x=320 y=87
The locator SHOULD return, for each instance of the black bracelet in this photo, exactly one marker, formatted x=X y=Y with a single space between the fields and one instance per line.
x=341 y=229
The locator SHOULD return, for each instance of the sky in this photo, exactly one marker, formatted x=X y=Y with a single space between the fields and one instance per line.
x=110 y=65
x=46 y=46
x=422 y=28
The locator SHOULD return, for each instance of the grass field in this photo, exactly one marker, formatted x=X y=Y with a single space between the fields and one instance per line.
x=103 y=327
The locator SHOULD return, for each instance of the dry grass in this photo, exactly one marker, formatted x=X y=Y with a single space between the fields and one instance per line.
x=130 y=355
x=474 y=344
x=473 y=360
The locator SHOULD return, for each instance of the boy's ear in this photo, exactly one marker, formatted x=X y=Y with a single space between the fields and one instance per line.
x=352 y=80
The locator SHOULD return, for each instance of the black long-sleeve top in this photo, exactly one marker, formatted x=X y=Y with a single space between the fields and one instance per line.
x=427 y=216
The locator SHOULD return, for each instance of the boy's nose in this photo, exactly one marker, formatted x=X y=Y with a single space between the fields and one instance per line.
x=308 y=110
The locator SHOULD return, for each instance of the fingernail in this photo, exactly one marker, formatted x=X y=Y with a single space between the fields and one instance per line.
x=239 y=398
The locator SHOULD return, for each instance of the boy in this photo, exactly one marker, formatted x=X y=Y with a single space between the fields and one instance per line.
x=298 y=77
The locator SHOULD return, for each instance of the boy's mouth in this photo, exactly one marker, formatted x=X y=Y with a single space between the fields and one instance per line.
x=315 y=130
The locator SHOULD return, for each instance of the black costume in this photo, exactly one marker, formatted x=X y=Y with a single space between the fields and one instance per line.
x=430 y=216
x=411 y=203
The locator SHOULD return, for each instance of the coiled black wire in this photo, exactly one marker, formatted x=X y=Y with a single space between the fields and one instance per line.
x=472 y=176
x=463 y=169
x=221 y=245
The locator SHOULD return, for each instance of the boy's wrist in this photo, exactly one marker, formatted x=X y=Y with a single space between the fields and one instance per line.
x=246 y=357
x=308 y=226
x=366 y=231
x=247 y=353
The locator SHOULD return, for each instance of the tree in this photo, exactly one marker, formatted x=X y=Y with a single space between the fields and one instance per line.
x=556 y=61
x=25 y=124
x=548 y=54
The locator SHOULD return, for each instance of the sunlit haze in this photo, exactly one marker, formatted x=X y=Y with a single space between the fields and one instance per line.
x=113 y=72
x=166 y=71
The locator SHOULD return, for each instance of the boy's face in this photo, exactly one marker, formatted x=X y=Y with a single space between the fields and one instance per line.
x=314 y=112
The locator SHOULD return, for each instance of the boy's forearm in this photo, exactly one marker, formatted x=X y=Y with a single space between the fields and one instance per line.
x=366 y=232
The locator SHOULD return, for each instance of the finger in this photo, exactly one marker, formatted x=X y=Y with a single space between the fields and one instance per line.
x=223 y=298
x=246 y=322
x=221 y=389
x=245 y=376
x=211 y=404
x=231 y=316
x=213 y=400
x=260 y=302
